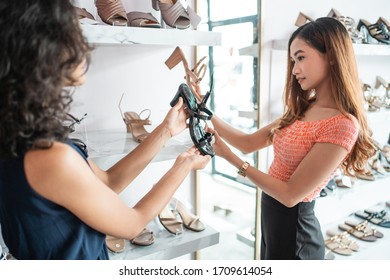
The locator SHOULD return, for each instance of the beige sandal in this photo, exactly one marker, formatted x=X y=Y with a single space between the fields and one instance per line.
x=145 y=238
x=135 y=124
x=169 y=221
x=111 y=12
x=190 y=221
x=115 y=244
x=173 y=13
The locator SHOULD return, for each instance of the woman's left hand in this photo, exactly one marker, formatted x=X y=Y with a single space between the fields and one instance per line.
x=176 y=119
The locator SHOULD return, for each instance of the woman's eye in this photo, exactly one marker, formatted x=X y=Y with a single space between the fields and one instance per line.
x=299 y=58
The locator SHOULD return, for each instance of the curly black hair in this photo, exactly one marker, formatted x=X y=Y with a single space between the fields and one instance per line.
x=41 y=45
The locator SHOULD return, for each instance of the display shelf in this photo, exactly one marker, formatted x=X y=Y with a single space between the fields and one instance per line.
x=106 y=147
x=168 y=246
x=119 y=35
x=344 y=201
x=376 y=250
x=360 y=49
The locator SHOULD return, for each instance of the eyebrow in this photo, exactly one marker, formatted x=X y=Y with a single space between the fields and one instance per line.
x=297 y=52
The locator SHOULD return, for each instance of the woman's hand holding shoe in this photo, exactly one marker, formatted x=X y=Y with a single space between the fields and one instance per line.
x=194 y=158
x=175 y=120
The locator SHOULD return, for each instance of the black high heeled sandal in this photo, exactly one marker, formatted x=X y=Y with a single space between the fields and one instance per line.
x=198 y=111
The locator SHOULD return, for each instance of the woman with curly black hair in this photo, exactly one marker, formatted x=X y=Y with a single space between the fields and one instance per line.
x=54 y=202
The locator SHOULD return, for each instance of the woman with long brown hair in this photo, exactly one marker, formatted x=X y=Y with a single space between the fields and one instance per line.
x=323 y=128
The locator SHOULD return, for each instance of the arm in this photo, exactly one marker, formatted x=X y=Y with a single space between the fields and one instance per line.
x=317 y=165
x=60 y=175
x=121 y=174
x=246 y=143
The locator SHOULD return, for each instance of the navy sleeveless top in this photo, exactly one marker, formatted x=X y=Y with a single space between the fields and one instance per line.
x=36 y=228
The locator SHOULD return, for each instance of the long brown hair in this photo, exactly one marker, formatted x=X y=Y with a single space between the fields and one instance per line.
x=330 y=37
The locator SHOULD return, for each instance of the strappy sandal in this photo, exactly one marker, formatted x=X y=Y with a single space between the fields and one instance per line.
x=134 y=123
x=344 y=238
x=336 y=246
x=363 y=226
x=111 y=12
x=170 y=223
x=194 y=75
x=198 y=112
x=190 y=221
x=175 y=14
x=140 y=19
x=358 y=232
x=377 y=218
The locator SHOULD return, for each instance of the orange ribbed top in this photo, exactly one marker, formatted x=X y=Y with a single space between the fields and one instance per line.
x=293 y=143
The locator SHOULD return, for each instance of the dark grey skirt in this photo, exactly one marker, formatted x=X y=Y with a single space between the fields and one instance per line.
x=290 y=233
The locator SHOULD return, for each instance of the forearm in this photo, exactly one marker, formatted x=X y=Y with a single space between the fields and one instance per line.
x=231 y=135
x=274 y=187
x=158 y=197
x=121 y=174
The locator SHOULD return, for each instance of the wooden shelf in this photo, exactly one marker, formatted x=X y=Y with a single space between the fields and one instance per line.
x=119 y=35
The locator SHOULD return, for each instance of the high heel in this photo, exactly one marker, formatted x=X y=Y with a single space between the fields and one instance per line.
x=111 y=12
x=302 y=19
x=175 y=15
x=349 y=23
x=195 y=74
x=381 y=82
x=372 y=103
x=373 y=33
x=135 y=124
x=190 y=221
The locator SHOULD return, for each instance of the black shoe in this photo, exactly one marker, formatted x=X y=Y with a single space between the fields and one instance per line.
x=200 y=138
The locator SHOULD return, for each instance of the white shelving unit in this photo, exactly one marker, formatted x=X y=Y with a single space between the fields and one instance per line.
x=118 y=35
x=108 y=146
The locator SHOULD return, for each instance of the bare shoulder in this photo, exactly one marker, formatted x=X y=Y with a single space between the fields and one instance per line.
x=46 y=168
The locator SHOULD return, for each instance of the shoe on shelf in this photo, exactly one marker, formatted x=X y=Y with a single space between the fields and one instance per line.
x=194 y=75
x=358 y=232
x=190 y=221
x=363 y=226
x=115 y=244
x=373 y=33
x=135 y=124
x=144 y=238
x=112 y=12
x=141 y=19
x=377 y=218
x=350 y=25
x=386 y=98
x=344 y=238
x=302 y=19
x=175 y=15
x=168 y=219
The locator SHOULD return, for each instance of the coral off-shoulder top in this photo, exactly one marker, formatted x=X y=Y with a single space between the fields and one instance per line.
x=292 y=144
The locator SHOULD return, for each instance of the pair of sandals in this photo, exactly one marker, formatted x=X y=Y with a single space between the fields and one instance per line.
x=116 y=245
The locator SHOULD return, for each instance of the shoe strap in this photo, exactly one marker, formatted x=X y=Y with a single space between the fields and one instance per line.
x=110 y=8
